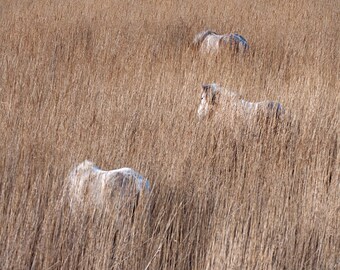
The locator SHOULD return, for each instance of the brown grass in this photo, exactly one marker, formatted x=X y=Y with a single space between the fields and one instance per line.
x=117 y=82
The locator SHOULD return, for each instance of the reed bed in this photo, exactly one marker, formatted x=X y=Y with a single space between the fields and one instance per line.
x=118 y=83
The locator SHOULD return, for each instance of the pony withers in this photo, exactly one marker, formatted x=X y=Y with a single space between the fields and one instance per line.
x=88 y=183
x=216 y=100
x=211 y=42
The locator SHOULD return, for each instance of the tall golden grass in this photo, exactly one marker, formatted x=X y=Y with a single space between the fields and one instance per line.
x=117 y=82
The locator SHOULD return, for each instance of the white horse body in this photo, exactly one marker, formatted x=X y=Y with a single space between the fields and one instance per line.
x=214 y=96
x=88 y=181
x=210 y=42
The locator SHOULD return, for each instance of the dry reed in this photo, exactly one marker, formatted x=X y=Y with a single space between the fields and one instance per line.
x=117 y=82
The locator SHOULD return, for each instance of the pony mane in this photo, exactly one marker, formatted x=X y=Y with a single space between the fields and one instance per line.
x=232 y=94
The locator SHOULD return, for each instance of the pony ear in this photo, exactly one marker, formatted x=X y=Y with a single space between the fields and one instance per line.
x=205 y=87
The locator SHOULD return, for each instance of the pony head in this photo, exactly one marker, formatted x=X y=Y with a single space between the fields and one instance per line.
x=83 y=168
x=209 y=97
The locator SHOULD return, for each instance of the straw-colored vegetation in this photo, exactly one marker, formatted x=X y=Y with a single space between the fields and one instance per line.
x=117 y=82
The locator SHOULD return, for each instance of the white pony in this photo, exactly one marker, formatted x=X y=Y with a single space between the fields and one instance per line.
x=209 y=41
x=213 y=97
x=88 y=182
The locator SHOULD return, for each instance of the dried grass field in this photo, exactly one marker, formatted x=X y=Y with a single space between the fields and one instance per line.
x=118 y=83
